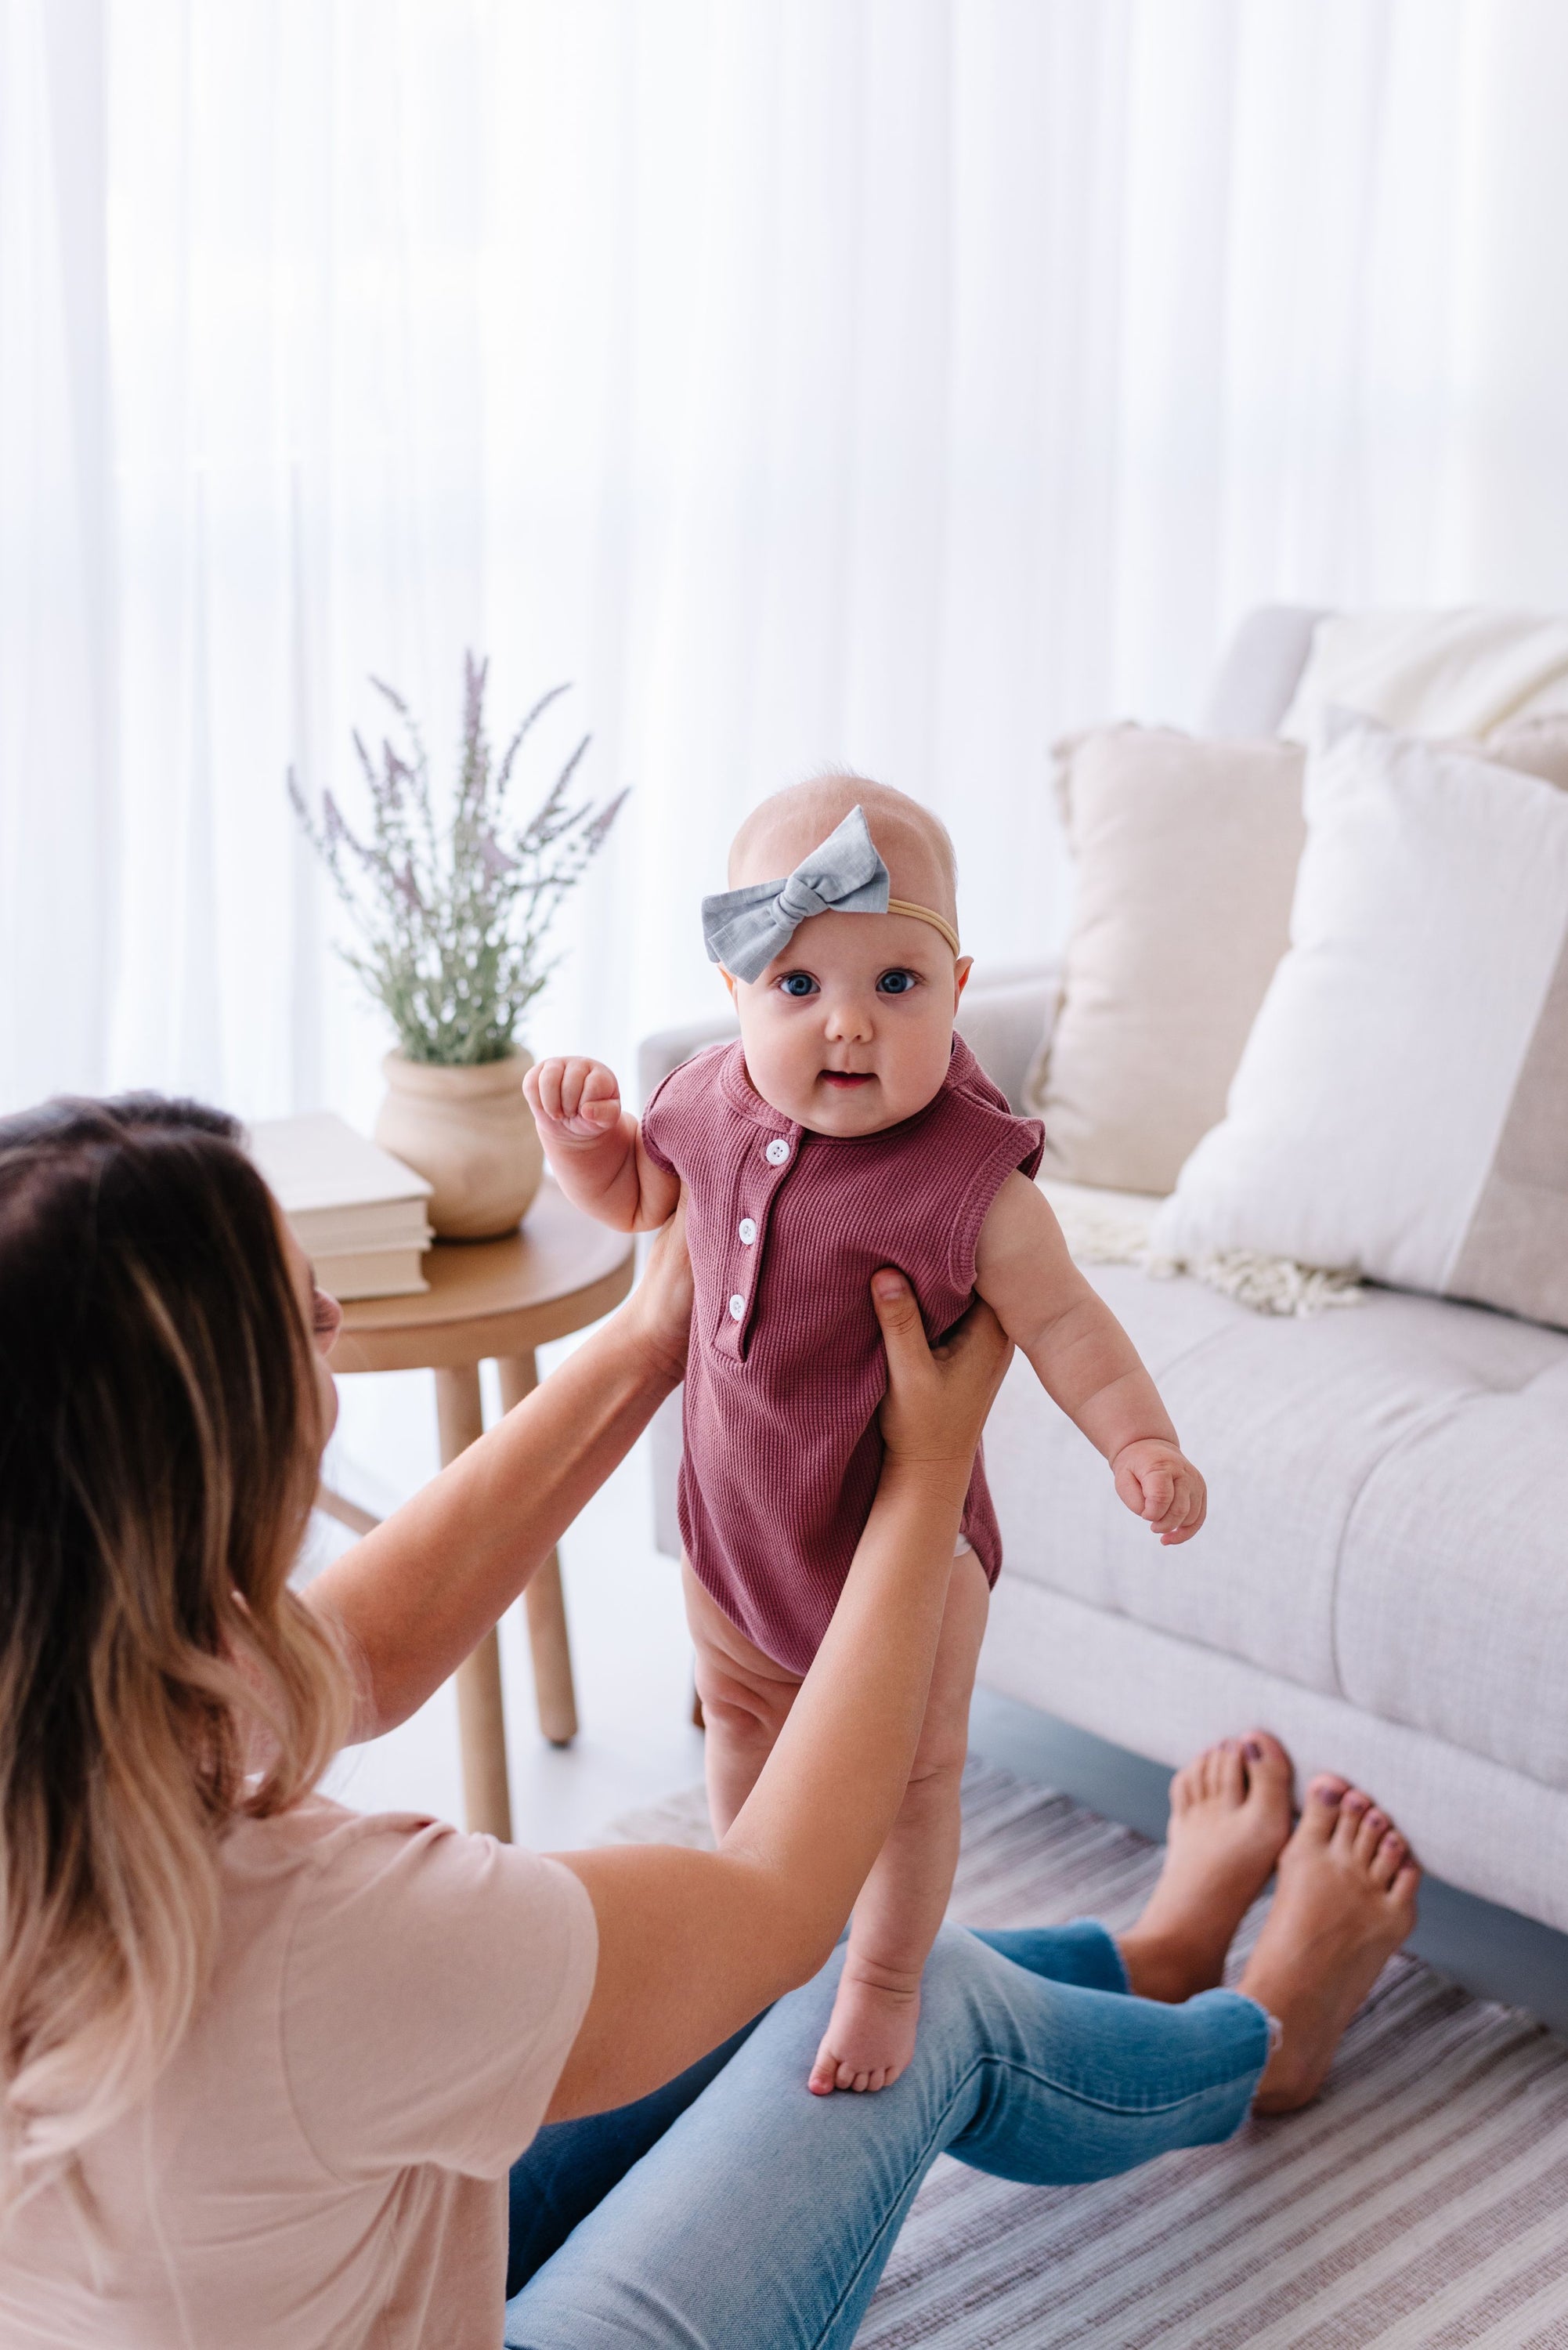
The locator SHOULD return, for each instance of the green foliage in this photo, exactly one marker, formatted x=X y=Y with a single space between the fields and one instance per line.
x=452 y=916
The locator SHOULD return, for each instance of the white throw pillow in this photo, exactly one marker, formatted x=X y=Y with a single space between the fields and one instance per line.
x=1401 y=1106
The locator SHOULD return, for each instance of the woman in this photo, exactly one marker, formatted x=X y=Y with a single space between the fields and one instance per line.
x=268 y=2062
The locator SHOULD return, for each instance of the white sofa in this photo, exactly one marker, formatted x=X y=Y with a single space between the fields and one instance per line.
x=1384 y=1575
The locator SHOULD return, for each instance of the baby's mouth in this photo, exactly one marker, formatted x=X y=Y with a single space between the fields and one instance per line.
x=847 y=1079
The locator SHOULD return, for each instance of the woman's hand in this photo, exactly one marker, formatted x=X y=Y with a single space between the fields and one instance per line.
x=660 y=1304
x=937 y=1396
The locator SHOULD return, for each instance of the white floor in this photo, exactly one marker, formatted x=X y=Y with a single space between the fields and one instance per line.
x=632 y=1657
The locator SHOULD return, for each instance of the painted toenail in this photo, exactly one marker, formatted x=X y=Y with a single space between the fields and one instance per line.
x=1329 y=1795
x=1252 y=1751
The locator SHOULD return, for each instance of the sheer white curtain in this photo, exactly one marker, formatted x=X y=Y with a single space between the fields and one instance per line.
x=901 y=382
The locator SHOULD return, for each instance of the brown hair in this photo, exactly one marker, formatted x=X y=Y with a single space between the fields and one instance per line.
x=159 y=1437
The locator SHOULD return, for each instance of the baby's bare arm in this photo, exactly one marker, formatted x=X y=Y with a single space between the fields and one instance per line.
x=1084 y=1358
x=595 y=1146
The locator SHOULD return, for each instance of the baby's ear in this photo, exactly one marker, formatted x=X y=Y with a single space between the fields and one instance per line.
x=727 y=979
x=961 y=970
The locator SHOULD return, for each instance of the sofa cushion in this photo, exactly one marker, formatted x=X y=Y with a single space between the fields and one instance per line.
x=1384 y=1518
x=1186 y=854
x=1401 y=1106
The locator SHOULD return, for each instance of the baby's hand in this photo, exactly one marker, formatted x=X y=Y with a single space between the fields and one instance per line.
x=1158 y=1482
x=580 y=1098
x=596 y=1147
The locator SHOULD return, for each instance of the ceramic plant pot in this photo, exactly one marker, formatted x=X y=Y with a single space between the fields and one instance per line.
x=470 y=1132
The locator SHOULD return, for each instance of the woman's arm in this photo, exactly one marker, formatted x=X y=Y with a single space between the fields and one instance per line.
x=414 y=1597
x=692 y=1944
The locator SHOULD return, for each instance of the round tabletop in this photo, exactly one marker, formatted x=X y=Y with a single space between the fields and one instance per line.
x=490 y=1299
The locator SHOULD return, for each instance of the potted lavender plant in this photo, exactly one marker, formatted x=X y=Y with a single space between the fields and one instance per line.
x=452 y=914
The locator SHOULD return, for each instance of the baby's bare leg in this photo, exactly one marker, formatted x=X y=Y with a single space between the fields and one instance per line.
x=745 y=1698
x=870 y=2035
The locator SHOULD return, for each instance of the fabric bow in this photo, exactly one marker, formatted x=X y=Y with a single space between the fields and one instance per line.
x=745 y=929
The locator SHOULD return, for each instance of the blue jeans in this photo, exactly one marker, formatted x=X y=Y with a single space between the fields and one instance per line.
x=734 y=2209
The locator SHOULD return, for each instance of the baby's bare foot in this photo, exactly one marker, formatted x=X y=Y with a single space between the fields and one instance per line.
x=1346 y=1900
x=1230 y=1818
x=870 y=2036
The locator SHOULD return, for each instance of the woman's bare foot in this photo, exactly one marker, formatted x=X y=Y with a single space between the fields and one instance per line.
x=1345 y=1901
x=870 y=2035
x=1230 y=1819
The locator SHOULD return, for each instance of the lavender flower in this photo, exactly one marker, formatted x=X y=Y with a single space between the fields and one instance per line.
x=453 y=913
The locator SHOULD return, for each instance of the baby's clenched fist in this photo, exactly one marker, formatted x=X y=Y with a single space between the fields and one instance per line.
x=1160 y=1485
x=581 y=1098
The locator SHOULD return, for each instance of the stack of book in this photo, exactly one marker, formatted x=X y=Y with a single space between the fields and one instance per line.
x=357 y=1212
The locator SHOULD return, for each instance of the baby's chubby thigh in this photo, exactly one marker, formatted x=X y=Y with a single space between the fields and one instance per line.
x=746 y=1698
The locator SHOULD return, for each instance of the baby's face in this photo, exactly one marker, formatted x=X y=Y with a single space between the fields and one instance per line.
x=850 y=1029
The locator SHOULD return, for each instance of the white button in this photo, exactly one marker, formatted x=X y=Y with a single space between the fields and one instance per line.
x=737 y=1307
x=748 y=1232
x=777 y=1152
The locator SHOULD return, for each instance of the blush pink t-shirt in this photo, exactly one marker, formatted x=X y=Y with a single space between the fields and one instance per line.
x=322 y=2165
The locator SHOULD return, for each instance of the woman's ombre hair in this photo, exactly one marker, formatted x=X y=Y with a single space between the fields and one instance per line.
x=158 y=1439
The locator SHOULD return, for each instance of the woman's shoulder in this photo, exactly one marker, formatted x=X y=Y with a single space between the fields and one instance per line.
x=402 y=1861
x=474 y=1959
x=386 y=1902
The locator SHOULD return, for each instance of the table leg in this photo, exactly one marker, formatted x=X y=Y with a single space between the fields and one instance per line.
x=544 y=1600
x=481 y=1719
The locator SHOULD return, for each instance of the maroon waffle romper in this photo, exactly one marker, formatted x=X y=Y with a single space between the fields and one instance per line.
x=787 y=1369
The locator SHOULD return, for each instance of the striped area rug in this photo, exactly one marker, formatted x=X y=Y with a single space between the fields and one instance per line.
x=1422 y=2202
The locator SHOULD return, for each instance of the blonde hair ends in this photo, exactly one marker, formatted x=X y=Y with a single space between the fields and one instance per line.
x=158 y=1678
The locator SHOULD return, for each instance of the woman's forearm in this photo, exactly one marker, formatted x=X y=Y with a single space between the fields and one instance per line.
x=414 y=1597
x=857 y=1718
x=692 y=1944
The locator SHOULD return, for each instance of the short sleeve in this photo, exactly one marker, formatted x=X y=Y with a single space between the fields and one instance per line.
x=998 y=1144
x=657 y=1123
x=434 y=1985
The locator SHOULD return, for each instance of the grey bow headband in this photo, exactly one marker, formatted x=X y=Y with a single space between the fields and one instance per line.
x=745 y=929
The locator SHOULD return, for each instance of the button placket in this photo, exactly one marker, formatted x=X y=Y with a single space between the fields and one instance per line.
x=755 y=1191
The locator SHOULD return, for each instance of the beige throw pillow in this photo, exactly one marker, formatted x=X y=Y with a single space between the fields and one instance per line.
x=1187 y=852
x=1187 y=855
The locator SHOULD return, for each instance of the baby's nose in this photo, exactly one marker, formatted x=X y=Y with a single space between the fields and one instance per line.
x=849 y=1020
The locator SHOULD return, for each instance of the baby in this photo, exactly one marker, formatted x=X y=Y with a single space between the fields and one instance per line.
x=849 y=1127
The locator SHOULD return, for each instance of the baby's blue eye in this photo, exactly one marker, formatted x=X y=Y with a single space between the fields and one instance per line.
x=798 y=983
x=896 y=983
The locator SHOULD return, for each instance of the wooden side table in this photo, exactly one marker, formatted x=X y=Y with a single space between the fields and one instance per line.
x=493 y=1300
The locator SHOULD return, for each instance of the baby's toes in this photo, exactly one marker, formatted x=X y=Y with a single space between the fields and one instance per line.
x=825 y=2073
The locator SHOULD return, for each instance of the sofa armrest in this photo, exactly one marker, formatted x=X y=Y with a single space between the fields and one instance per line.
x=1005 y=1021
x=668 y=1047
x=1261 y=670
